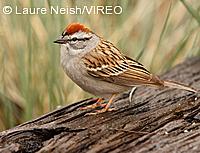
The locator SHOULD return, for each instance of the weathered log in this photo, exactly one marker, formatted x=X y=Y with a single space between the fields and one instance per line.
x=157 y=120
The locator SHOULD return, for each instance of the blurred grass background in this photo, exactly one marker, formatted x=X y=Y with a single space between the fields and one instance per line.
x=160 y=33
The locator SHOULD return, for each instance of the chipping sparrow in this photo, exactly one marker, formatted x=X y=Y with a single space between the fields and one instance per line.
x=99 y=68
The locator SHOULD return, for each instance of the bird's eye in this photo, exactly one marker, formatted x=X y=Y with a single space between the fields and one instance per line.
x=74 y=39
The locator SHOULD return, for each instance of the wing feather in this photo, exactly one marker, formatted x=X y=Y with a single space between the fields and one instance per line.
x=108 y=64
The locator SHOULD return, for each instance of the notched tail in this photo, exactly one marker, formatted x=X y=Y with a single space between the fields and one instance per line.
x=176 y=85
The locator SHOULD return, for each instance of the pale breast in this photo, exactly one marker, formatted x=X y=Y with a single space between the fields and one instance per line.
x=78 y=74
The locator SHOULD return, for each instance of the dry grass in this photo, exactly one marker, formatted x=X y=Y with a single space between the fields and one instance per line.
x=159 y=33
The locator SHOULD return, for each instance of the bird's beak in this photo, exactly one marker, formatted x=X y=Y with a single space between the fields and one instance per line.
x=60 y=41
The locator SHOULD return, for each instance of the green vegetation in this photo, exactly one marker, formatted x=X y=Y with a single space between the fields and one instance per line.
x=159 y=33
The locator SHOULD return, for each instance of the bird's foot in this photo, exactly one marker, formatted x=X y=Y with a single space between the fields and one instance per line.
x=97 y=104
x=93 y=106
x=101 y=111
x=106 y=107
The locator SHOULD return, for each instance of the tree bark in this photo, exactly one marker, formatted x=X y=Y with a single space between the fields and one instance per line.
x=157 y=120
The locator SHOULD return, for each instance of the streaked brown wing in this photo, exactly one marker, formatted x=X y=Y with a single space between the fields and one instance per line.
x=136 y=74
x=112 y=66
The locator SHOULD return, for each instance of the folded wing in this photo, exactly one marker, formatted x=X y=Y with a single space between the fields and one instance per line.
x=106 y=63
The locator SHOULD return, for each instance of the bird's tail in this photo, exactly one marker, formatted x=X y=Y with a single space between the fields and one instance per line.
x=176 y=85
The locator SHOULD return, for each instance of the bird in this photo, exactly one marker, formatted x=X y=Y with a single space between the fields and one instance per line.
x=100 y=68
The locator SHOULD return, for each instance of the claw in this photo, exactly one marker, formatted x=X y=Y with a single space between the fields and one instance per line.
x=101 y=111
x=106 y=107
x=93 y=106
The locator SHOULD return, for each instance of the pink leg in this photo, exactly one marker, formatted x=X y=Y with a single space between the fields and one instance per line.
x=95 y=105
x=106 y=108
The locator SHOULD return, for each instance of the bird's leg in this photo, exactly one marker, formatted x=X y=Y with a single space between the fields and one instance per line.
x=109 y=103
x=106 y=108
x=131 y=94
x=98 y=103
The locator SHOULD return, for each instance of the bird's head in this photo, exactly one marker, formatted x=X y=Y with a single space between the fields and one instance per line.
x=77 y=39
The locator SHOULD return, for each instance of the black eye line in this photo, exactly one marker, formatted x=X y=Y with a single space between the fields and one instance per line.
x=79 y=39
